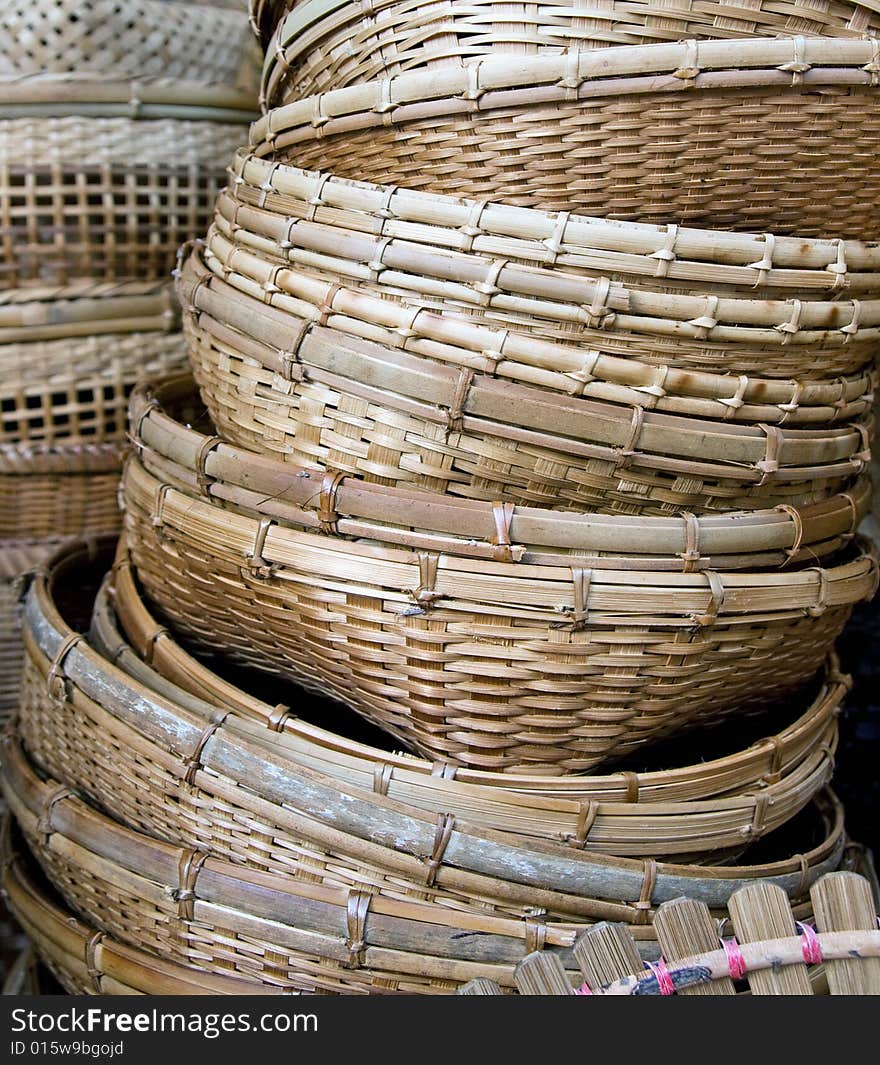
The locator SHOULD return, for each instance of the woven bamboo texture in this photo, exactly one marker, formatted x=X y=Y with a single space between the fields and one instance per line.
x=17 y=557
x=691 y=810
x=65 y=488
x=119 y=211
x=175 y=768
x=495 y=664
x=169 y=426
x=546 y=317
x=777 y=956
x=552 y=807
x=361 y=408
x=546 y=132
x=328 y=44
x=85 y=960
x=79 y=386
x=192 y=908
x=202 y=43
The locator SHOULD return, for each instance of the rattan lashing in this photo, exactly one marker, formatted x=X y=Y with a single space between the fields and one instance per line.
x=483 y=660
x=328 y=44
x=544 y=132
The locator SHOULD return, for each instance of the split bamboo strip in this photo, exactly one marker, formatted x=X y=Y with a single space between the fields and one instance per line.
x=685 y=928
x=843 y=903
x=328 y=44
x=545 y=132
x=758 y=912
x=202 y=43
x=245 y=796
x=198 y=910
x=554 y=807
x=87 y=961
x=356 y=407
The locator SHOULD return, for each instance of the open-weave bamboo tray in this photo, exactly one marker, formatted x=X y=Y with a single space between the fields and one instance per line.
x=690 y=810
x=328 y=44
x=708 y=127
x=192 y=908
x=748 y=292
x=469 y=655
x=17 y=557
x=186 y=770
x=203 y=43
x=116 y=211
x=87 y=961
x=367 y=409
x=78 y=387
x=771 y=953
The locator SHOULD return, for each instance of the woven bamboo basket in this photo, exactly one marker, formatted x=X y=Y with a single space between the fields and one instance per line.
x=367 y=409
x=546 y=132
x=127 y=746
x=65 y=488
x=777 y=955
x=194 y=909
x=17 y=557
x=548 y=807
x=465 y=653
x=278 y=209
x=87 y=961
x=118 y=211
x=329 y=44
x=206 y=43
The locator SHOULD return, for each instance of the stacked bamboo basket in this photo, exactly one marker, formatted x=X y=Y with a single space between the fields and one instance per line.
x=527 y=430
x=118 y=121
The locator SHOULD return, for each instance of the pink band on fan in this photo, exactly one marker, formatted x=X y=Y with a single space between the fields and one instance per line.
x=664 y=980
x=583 y=990
x=735 y=960
x=810 y=944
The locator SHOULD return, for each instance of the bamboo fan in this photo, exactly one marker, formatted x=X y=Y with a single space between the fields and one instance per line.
x=175 y=767
x=773 y=959
x=321 y=45
x=195 y=909
x=366 y=409
x=207 y=44
x=86 y=960
x=556 y=807
x=451 y=131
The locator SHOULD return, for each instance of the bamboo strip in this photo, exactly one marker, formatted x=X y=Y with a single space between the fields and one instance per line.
x=685 y=928
x=758 y=912
x=842 y=902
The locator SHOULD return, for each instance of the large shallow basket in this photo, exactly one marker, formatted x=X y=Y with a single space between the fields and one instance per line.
x=203 y=43
x=328 y=44
x=709 y=127
x=192 y=908
x=364 y=408
x=725 y=791
x=270 y=793
x=457 y=648
x=83 y=959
